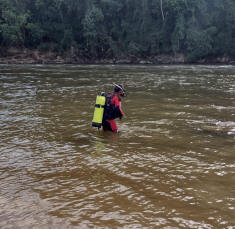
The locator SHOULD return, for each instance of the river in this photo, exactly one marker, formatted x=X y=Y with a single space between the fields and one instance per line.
x=164 y=169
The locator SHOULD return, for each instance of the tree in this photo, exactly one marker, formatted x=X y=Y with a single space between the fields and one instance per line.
x=111 y=28
x=93 y=28
x=13 y=23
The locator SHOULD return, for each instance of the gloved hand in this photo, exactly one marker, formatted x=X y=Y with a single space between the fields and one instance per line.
x=120 y=117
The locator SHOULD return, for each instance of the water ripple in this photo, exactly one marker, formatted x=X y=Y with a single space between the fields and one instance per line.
x=163 y=170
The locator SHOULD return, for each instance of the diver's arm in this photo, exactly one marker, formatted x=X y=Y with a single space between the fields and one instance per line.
x=119 y=112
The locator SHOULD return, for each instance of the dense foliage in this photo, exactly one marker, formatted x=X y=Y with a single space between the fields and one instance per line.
x=109 y=28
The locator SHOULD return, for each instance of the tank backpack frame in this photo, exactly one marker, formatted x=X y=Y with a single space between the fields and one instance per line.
x=109 y=109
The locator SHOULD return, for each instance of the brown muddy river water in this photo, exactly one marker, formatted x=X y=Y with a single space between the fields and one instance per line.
x=172 y=165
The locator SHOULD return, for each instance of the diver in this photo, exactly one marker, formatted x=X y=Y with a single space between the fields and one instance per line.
x=113 y=108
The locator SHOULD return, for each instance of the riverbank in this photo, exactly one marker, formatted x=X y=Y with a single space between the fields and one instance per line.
x=27 y=56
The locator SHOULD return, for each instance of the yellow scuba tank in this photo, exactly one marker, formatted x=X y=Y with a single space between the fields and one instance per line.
x=99 y=110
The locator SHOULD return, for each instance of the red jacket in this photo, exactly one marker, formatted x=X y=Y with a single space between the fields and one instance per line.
x=113 y=107
x=116 y=100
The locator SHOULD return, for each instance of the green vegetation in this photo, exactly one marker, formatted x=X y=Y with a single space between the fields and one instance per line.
x=113 y=28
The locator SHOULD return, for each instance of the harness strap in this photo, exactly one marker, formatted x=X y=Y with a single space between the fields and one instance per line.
x=99 y=106
x=111 y=97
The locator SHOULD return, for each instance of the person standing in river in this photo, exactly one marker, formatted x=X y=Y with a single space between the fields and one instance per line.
x=113 y=108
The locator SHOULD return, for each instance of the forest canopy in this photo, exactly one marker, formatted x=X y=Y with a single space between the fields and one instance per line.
x=110 y=28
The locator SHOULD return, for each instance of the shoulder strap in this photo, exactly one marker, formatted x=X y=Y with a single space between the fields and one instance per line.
x=110 y=96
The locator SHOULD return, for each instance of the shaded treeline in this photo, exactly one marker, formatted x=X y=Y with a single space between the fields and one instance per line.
x=111 y=28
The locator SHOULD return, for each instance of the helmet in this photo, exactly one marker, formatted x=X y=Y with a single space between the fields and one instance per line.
x=118 y=87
